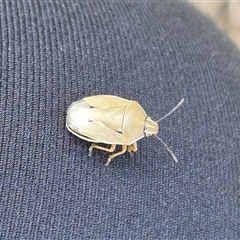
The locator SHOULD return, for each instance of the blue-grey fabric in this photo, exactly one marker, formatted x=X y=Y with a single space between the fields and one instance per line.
x=55 y=52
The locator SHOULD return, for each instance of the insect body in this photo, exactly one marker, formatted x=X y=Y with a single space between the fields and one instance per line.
x=111 y=120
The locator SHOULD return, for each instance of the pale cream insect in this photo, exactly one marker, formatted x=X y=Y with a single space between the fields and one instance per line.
x=112 y=120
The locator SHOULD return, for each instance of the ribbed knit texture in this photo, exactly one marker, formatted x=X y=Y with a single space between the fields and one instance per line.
x=55 y=52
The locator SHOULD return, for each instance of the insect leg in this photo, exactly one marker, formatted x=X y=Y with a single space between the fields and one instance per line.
x=124 y=149
x=111 y=149
x=132 y=148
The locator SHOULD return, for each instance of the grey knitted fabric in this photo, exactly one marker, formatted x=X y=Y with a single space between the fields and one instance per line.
x=55 y=52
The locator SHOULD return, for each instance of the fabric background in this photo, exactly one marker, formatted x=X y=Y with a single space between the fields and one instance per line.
x=55 y=52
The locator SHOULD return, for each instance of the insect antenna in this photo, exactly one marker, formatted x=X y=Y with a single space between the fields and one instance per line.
x=164 y=144
x=174 y=109
x=167 y=148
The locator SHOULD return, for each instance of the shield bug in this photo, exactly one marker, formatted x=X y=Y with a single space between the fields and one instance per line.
x=112 y=120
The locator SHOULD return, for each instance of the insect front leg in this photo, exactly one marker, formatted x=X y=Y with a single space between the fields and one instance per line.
x=132 y=148
x=111 y=149
x=124 y=149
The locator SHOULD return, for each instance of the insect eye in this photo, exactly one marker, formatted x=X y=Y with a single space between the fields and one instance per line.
x=146 y=134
